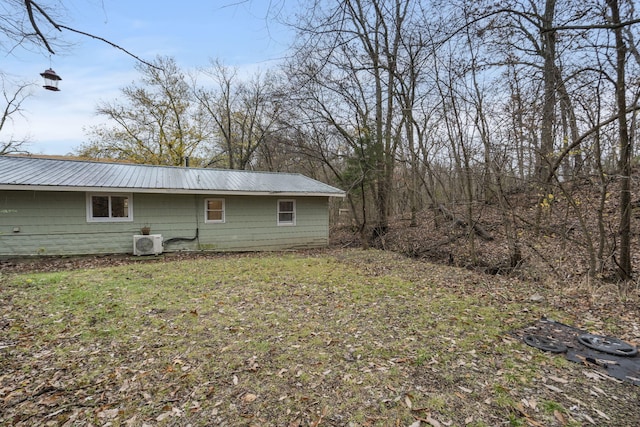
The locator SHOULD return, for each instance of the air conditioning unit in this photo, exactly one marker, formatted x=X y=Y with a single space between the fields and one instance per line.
x=147 y=244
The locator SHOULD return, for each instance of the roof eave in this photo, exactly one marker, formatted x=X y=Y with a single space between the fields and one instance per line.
x=26 y=187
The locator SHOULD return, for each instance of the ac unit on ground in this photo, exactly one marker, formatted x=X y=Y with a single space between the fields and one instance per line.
x=147 y=244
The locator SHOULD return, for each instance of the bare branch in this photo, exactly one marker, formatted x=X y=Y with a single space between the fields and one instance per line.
x=29 y=4
x=582 y=137
x=594 y=26
x=110 y=44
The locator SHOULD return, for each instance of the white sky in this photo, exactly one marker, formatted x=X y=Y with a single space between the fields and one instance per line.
x=237 y=32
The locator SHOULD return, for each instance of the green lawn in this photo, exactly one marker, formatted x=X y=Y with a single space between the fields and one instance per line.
x=335 y=338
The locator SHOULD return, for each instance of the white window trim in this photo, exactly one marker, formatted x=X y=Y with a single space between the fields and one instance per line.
x=287 y=223
x=224 y=211
x=91 y=218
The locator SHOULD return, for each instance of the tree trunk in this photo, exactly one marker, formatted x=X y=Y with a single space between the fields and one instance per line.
x=549 y=103
x=624 y=262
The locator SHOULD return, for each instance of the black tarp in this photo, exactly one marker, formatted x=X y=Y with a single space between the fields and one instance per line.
x=557 y=335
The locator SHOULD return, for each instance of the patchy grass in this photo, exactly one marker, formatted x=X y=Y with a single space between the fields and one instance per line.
x=336 y=338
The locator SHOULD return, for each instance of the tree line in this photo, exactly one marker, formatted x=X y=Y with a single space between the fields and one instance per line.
x=417 y=104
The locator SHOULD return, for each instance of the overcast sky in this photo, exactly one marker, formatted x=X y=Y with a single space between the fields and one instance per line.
x=192 y=31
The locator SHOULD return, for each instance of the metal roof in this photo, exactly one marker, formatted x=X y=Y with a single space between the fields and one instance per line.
x=32 y=173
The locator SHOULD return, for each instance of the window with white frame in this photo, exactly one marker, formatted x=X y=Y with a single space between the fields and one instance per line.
x=109 y=207
x=286 y=212
x=214 y=210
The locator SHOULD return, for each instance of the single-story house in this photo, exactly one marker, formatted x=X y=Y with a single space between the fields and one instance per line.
x=69 y=207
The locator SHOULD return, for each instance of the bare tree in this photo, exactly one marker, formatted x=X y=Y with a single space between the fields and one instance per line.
x=158 y=124
x=549 y=75
x=626 y=149
x=13 y=98
x=349 y=60
x=244 y=113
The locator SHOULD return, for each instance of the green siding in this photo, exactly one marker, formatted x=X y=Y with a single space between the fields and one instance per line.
x=54 y=223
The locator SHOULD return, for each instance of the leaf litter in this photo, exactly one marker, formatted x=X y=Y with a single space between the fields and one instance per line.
x=324 y=338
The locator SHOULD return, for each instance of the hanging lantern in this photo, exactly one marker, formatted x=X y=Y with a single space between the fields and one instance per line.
x=51 y=80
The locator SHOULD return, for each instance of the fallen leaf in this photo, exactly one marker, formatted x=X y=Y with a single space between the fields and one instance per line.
x=433 y=421
x=553 y=388
x=408 y=402
x=164 y=416
x=534 y=423
x=576 y=401
x=249 y=397
x=108 y=413
x=557 y=379
x=602 y=414
x=51 y=400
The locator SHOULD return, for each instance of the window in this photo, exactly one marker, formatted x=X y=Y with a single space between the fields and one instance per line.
x=214 y=210
x=286 y=212
x=109 y=207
